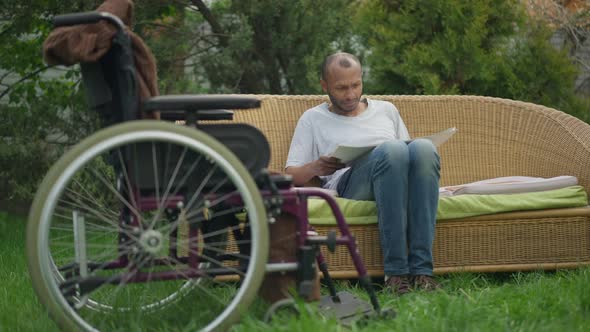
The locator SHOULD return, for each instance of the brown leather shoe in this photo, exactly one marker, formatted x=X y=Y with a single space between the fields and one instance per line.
x=399 y=285
x=424 y=282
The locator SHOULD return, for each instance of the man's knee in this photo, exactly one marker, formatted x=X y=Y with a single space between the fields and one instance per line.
x=423 y=153
x=422 y=145
x=422 y=149
x=394 y=151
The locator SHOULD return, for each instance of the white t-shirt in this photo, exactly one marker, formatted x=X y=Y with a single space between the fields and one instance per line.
x=319 y=132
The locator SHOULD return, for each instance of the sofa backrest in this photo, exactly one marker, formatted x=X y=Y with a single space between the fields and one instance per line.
x=496 y=137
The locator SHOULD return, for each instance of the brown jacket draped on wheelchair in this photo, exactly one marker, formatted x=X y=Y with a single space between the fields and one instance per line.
x=89 y=42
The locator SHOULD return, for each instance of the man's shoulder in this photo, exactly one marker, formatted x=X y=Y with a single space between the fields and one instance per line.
x=318 y=108
x=315 y=111
x=383 y=106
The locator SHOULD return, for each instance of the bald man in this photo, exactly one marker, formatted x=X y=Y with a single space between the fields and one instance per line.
x=402 y=178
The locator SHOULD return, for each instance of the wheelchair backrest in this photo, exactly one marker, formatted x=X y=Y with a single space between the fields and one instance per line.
x=110 y=93
x=111 y=87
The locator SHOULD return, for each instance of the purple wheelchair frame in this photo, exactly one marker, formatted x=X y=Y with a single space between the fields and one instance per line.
x=290 y=202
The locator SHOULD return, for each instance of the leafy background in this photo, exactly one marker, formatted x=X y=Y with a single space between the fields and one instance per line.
x=498 y=48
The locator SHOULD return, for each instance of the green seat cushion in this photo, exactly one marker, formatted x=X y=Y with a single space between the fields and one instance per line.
x=453 y=207
x=355 y=212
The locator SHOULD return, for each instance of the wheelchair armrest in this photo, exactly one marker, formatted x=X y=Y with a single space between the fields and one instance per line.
x=198 y=102
x=281 y=181
x=203 y=115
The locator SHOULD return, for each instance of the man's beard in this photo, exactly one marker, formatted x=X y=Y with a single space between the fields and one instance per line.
x=337 y=106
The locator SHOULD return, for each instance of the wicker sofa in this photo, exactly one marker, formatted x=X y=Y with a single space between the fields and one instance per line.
x=497 y=137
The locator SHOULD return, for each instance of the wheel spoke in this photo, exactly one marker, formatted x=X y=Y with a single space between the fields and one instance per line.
x=121 y=198
x=130 y=190
x=165 y=196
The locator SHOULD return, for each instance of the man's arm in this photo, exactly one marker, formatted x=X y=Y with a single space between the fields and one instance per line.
x=320 y=167
x=300 y=160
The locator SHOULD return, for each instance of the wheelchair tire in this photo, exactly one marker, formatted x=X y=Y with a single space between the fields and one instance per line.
x=94 y=245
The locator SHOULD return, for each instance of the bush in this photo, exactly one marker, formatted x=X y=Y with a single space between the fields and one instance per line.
x=483 y=47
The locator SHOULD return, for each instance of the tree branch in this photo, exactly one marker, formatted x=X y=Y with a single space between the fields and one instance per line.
x=215 y=26
x=24 y=78
x=5 y=75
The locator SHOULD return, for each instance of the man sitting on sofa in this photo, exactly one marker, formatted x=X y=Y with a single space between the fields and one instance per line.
x=401 y=177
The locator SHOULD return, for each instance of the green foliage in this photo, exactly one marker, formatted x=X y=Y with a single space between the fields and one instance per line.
x=482 y=47
x=273 y=46
x=42 y=108
x=42 y=119
x=435 y=47
x=537 y=72
x=165 y=27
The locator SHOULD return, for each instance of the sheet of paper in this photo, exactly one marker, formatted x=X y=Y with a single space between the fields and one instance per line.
x=440 y=137
x=348 y=153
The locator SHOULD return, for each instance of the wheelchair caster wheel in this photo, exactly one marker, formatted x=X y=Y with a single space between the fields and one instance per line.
x=285 y=306
x=282 y=306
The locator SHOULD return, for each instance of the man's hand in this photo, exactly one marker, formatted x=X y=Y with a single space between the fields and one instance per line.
x=323 y=166
x=326 y=166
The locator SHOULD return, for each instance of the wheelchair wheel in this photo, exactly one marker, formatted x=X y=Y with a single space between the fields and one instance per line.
x=143 y=226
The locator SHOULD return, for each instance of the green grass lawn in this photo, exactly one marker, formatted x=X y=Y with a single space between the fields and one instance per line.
x=533 y=301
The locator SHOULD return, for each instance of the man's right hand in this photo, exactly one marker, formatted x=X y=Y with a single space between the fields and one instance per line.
x=321 y=167
x=326 y=166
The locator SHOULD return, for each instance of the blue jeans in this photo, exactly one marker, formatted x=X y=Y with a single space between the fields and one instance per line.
x=403 y=180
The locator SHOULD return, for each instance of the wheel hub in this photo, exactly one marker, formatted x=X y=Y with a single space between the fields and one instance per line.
x=150 y=241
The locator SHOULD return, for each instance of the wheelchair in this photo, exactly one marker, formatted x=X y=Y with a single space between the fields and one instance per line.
x=152 y=225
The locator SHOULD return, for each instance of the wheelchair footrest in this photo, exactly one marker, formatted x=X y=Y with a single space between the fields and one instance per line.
x=345 y=307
